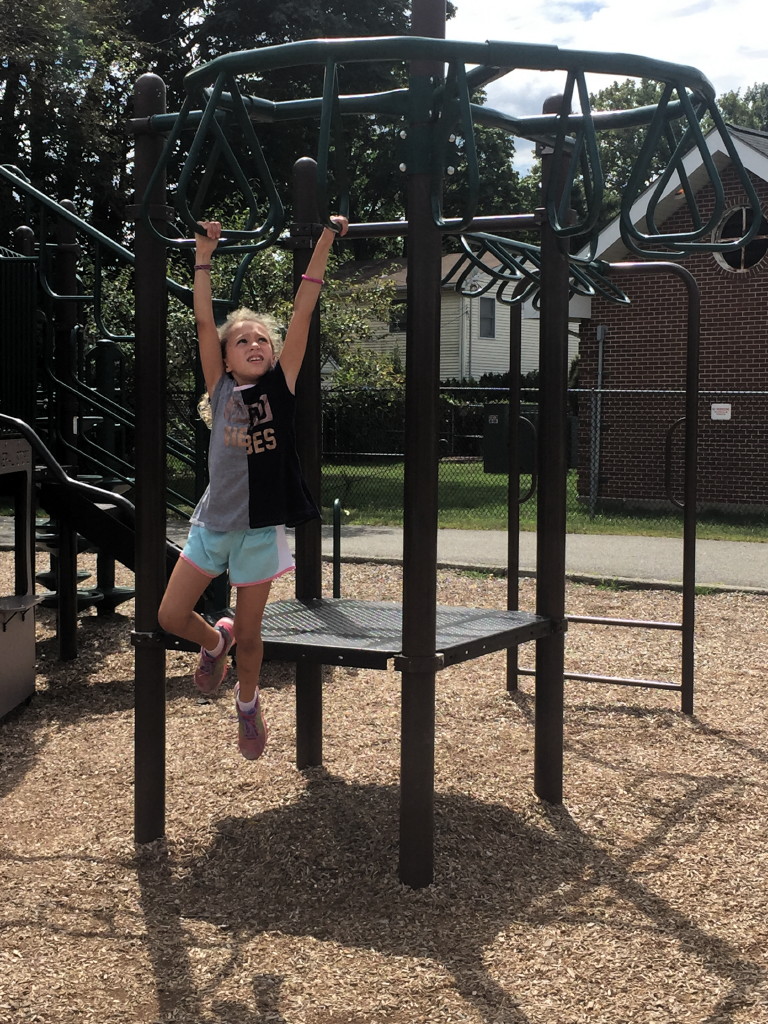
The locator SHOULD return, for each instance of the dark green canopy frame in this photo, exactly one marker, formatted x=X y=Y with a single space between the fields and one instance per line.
x=218 y=101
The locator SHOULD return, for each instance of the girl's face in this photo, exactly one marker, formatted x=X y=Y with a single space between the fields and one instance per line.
x=248 y=352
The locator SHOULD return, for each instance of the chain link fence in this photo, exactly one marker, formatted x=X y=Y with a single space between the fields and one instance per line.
x=625 y=458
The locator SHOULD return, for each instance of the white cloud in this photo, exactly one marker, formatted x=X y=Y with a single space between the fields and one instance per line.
x=723 y=40
x=717 y=37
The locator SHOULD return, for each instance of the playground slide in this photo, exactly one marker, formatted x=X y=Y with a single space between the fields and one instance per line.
x=107 y=520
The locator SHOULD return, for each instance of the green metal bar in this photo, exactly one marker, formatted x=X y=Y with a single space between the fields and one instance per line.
x=330 y=128
x=585 y=278
x=272 y=225
x=209 y=127
x=491 y=60
x=595 y=282
x=684 y=243
x=194 y=154
x=693 y=131
x=675 y=165
x=457 y=115
x=394 y=103
x=408 y=48
x=582 y=152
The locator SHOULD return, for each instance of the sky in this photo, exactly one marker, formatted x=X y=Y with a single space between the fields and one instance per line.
x=726 y=40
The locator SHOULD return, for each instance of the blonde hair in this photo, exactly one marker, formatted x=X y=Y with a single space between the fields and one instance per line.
x=238 y=316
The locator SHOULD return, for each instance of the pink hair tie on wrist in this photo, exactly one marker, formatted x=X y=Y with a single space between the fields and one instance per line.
x=202 y=266
x=314 y=280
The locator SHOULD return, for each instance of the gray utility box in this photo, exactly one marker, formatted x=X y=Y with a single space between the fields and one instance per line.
x=17 y=610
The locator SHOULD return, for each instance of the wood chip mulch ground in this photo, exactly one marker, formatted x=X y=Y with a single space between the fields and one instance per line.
x=274 y=898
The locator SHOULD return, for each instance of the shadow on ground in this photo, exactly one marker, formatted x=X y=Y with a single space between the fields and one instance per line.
x=325 y=868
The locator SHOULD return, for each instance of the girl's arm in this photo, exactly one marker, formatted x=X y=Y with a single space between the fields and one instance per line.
x=307 y=294
x=208 y=343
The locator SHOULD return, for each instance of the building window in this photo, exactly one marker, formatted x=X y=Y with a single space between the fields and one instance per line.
x=487 y=318
x=397 y=317
x=734 y=226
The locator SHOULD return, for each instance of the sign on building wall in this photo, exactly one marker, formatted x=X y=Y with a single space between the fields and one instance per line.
x=720 y=410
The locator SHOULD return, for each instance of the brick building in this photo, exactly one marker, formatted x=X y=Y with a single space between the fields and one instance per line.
x=632 y=357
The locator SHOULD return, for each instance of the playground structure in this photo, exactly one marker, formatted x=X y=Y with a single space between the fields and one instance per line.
x=417 y=635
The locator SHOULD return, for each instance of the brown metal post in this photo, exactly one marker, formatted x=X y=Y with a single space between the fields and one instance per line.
x=151 y=512
x=551 y=460
x=309 y=677
x=419 y=661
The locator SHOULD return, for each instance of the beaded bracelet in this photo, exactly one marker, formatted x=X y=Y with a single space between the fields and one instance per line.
x=314 y=280
x=202 y=266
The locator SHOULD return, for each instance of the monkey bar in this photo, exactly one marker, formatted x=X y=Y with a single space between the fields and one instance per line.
x=225 y=136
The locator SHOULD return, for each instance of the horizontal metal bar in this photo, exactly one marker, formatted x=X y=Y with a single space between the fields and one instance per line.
x=511 y=222
x=664 y=391
x=585 y=677
x=606 y=621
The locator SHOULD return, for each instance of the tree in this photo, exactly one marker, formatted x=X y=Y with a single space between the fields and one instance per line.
x=69 y=69
x=748 y=111
x=62 y=100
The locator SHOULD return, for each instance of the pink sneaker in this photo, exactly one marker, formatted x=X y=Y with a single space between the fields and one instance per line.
x=252 y=729
x=210 y=672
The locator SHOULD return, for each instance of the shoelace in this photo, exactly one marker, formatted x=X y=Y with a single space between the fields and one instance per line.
x=249 y=719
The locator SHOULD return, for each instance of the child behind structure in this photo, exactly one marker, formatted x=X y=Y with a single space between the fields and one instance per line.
x=256 y=488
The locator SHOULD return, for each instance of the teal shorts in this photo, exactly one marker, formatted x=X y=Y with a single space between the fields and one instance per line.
x=250 y=556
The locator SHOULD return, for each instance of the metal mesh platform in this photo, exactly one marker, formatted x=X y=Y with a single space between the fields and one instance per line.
x=367 y=634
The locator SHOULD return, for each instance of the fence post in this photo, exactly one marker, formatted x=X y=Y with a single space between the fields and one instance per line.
x=594 y=451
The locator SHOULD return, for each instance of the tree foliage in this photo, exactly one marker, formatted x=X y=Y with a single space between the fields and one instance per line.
x=64 y=83
x=749 y=110
x=70 y=67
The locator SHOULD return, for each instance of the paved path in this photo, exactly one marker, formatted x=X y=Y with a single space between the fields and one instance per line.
x=648 y=559
x=719 y=563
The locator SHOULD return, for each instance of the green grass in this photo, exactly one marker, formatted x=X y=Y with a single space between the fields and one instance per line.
x=469 y=499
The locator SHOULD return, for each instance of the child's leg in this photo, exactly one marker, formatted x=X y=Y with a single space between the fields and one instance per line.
x=177 y=613
x=249 y=612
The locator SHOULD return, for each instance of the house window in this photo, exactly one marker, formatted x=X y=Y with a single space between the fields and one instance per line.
x=734 y=226
x=487 y=318
x=397 y=317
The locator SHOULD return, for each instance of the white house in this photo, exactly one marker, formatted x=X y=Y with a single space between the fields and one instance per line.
x=474 y=331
